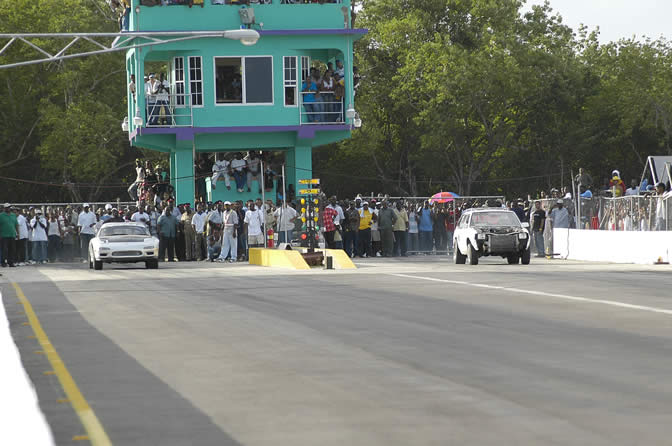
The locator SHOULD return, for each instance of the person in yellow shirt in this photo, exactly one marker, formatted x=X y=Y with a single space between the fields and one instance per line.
x=366 y=217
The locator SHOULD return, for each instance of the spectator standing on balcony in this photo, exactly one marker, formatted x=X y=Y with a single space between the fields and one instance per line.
x=386 y=220
x=9 y=227
x=221 y=168
x=327 y=94
x=86 y=223
x=150 y=98
x=167 y=234
x=163 y=101
x=38 y=225
x=340 y=69
x=131 y=87
x=309 y=100
x=238 y=166
x=139 y=179
x=538 y=223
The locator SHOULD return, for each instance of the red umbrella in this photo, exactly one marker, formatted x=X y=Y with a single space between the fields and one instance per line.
x=443 y=197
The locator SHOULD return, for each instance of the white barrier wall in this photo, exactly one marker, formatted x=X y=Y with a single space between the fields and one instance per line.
x=613 y=246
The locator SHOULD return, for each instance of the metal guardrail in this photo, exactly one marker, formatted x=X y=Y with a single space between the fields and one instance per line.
x=169 y=110
x=326 y=109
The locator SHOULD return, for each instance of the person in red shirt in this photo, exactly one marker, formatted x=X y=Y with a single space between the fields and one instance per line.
x=329 y=216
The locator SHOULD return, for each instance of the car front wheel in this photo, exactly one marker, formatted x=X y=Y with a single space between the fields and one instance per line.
x=472 y=254
x=152 y=264
x=512 y=259
x=458 y=257
x=97 y=265
x=525 y=257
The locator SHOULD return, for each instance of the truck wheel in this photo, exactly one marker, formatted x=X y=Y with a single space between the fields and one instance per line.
x=472 y=254
x=525 y=257
x=458 y=257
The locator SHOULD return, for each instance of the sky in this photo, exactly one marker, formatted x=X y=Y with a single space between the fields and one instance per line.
x=616 y=18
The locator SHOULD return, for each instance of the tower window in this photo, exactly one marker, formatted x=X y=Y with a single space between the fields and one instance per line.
x=289 y=80
x=196 y=80
x=244 y=80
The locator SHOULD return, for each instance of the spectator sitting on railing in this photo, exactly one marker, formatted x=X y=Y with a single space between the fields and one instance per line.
x=238 y=165
x=221 y=168
x=253 y=169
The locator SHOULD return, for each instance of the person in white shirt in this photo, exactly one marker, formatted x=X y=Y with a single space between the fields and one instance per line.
x=139 y=179
x=254 y=221
x=286 y=217
x=220 y=169
x=151 y=89
x=229 y=240
x=340 y=69
x=162 y=100
x=141 y=216
x=198 y=223
x=86 y=223
x=633 y=189
x=38 y=225
x=22 y=242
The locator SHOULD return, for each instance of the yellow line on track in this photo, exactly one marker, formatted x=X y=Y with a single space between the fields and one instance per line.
x=87 y=416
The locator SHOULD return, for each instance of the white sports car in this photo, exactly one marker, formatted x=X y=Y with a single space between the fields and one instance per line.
x=123 y=243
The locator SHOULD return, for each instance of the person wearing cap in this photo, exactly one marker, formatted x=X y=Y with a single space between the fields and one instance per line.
x=9 y=228
x=86 y=223
x=38 y=225
x=560 y=216
x=616 y=185
x=108 y=213
x=229 y=241
x=660 y=208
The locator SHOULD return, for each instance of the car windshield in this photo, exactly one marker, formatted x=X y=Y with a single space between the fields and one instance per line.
x=123 y=230
x=494 y=219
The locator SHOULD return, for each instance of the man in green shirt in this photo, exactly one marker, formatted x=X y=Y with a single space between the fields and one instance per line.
x=9 y=227
x=386 y=220
x=167 y=225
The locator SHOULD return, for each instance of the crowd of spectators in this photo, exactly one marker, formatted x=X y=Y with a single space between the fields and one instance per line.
x=323 y=93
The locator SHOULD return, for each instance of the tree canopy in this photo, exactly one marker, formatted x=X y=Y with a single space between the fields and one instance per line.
x=472 y=96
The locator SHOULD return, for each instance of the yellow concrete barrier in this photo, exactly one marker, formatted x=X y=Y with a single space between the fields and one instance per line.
x=278 y=258
x=341 y=259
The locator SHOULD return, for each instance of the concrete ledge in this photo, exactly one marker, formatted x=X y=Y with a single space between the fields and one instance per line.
x=277 y=258
x=341 y=259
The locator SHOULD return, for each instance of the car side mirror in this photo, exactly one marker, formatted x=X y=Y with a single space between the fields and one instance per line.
x=526 y=225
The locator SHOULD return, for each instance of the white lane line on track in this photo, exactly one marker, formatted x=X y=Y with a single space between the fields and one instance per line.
x=612 y=303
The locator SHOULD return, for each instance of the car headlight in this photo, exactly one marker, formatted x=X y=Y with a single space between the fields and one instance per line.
x=481 y=236
x=148 y=240
x=522 y=235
